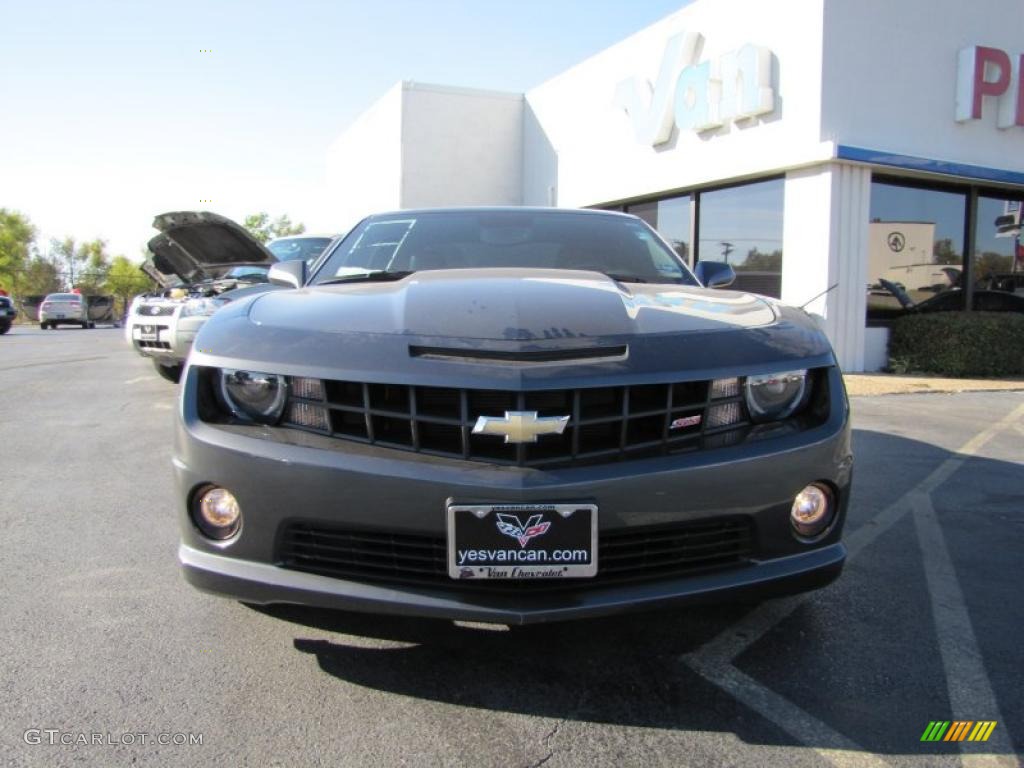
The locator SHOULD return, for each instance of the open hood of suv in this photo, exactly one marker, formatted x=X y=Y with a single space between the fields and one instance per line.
x=160 y=278
x=195 y=245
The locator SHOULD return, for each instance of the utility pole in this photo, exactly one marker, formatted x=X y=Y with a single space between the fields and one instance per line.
x=726 y=250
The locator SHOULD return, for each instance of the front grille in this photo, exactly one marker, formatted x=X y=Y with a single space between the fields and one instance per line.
x=153 y=310
x=638 y=554
x=605 y=423
x=153 y=344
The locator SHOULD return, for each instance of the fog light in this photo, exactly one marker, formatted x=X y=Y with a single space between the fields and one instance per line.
x=216 y=513
x=812 y=511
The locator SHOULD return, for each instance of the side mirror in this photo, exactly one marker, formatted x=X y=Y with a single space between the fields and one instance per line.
x=291 y=274
x=715 y=274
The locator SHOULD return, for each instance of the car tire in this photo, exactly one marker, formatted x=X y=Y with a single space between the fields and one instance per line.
x=44 y=327
x=4 y=329
x=170 y=372
x=92 y=325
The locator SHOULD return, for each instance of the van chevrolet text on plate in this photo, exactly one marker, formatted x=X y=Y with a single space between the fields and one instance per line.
x=520 y=426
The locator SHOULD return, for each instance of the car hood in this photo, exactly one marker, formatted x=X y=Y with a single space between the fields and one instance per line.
x=197 y=245
x=154 y=274
x=494 y=329
x=511 y=305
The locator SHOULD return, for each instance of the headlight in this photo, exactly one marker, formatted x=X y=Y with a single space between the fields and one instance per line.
x=194 y=307
x=254 y=396
x=776 y=395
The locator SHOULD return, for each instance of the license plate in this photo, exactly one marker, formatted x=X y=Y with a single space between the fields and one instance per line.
x=145 y=333
x=59 y=315
x=522 y=541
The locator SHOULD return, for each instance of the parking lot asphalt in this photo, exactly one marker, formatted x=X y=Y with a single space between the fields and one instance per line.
x=100 y=635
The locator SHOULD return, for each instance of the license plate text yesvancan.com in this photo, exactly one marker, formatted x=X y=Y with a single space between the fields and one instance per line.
x=512 y=556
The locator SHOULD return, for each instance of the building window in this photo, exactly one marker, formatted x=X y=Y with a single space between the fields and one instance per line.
x=743 y=226
x=997 y=263
x=671 y=218
x=915 y=249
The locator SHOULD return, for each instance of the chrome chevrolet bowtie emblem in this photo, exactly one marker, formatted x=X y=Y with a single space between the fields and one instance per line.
x=520 y=426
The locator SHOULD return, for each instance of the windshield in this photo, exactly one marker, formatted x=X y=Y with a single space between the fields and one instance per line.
x=305 y=248
x=623 y=248
x=242 y=272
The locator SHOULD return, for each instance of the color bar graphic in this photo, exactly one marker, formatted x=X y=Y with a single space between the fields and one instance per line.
x=958 y=730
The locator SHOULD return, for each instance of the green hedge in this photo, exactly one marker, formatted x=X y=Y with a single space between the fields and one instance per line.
x=958 y=344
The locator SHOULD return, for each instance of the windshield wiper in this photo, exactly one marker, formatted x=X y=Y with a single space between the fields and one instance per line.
x=625 y=278
x=377 y=276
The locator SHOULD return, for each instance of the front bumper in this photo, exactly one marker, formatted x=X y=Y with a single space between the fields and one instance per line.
x=63 y=319
x=278 y=480
x=264 y=583
x=172 y=336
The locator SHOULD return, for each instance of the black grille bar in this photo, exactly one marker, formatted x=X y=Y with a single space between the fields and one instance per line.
x=605 y=423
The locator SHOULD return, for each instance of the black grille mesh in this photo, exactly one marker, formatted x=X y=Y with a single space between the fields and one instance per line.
x=623 y=556
x=605 y=423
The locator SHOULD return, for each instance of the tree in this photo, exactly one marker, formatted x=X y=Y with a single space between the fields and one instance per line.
x=989 y=263
x=758 y=261
x=39 y=277
x=16 y=237
x=86 y=264
x=96 y=262
x=944 y=253
x=124 y=280
x=263 y=229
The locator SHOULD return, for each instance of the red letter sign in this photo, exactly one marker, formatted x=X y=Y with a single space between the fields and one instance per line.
x=982 y=72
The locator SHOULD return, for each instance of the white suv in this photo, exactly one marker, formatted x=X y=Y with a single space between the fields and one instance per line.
x=201 y=261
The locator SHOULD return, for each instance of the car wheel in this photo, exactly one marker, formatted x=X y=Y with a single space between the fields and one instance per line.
x=171 y=372
x=43 y=327
x=4 y=329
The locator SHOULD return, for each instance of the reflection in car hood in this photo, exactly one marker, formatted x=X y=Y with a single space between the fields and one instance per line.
x=511 y=305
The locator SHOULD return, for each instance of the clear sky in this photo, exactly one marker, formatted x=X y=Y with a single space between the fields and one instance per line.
x=111 y=112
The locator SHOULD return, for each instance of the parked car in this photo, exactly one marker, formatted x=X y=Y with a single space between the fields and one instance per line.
x=1008 y=282
x=161 y=325
x=7 y=314
x=953 y=300
x=509 y=415
x=64 y=309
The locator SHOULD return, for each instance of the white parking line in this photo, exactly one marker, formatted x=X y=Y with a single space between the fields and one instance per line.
x=137 y=379
x=713 y=660
x=831 y=745
x=970 y=691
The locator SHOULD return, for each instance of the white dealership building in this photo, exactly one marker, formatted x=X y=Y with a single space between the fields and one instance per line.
x=825 y=148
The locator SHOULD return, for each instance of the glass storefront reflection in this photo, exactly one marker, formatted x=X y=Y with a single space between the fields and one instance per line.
x=743 y=226
x=998 y=259
x=671 y=217
x=915 y=248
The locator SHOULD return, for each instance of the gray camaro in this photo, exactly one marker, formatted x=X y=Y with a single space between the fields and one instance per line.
x=510 y=415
